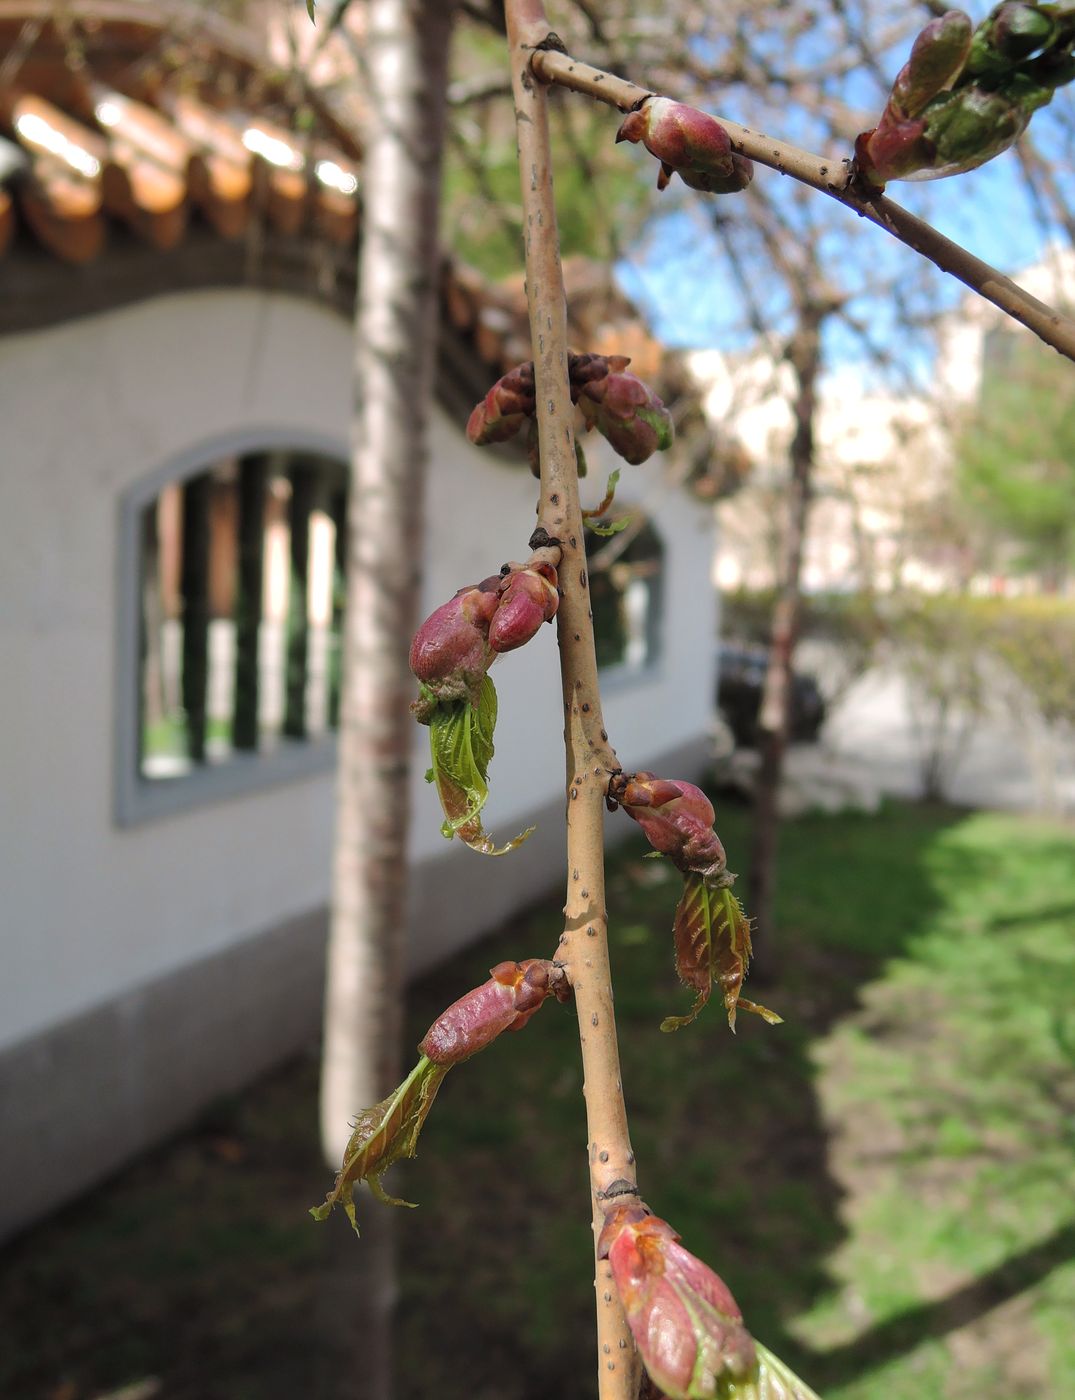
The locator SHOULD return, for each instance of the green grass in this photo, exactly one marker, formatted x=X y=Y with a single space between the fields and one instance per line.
x=884 y=1181
x=168 y=736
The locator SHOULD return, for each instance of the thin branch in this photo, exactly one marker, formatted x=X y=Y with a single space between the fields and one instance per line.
x=583 y=946
x=832 y=177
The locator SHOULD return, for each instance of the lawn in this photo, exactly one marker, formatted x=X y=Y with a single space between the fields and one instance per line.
x=885 y=1181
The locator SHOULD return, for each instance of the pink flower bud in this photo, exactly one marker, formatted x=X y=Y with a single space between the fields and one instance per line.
x=677 y=818
x=679 y=136
x=450 y=653
x=513 y=993
x=627 y=412
x=528 y=597
x=505 y=407
x=686 y=1324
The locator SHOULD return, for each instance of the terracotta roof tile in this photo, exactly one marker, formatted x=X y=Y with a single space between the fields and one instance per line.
x=162 y=123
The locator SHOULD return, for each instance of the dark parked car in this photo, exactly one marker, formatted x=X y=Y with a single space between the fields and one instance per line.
x=740 y=681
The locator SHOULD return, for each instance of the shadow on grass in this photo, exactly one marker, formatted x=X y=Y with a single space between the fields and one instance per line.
x=730 y=1140
x=897 y=1335
x=200 y=1269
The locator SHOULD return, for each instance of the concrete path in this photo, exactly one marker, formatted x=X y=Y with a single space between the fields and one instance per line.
x=998 y=763
x=871 y=747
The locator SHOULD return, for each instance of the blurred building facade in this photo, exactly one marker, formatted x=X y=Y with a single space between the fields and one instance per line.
x=883 y=480
x=175 y=290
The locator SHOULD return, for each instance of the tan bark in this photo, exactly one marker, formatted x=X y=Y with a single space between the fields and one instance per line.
x=406 y=53
x=583 y=945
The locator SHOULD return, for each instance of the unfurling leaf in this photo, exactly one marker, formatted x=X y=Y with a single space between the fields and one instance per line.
x=461 y=744
x=687 y=1326
x=310 y=8
x=591 y=518
x=712 y=941
x=383 y=1134
x=774 y=1381
x=712 y=934
x=513 y=993
x=606 y=501
x=389 y=1130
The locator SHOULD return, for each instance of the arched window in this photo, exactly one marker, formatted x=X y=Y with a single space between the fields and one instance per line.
x=625 y=594
x=239 y=580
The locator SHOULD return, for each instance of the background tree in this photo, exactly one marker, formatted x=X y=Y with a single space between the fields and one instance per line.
x=405 y=59
x=1016 y=458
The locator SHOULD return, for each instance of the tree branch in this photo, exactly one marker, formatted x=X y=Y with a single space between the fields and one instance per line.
x=583 y=945
x=832 y=177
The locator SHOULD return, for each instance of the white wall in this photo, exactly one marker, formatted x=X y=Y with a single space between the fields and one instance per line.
x=88 y=909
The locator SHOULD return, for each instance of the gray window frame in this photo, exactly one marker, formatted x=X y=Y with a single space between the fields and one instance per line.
x=137 y=799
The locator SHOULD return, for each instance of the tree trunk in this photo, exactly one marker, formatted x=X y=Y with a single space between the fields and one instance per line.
x=774 y=721
x=405 y=50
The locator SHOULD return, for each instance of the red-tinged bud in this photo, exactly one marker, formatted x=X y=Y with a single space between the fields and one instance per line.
x=528 y=597
x=893 y=152
x=686 y=1324
x=583 y=369
x=505 y=407
x=450 y=653
x=513 y=993
x=679 y=136
x=629 y=414
x=965 y=95
x=677 y=818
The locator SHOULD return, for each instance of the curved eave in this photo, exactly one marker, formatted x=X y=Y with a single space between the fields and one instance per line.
x=38 y=291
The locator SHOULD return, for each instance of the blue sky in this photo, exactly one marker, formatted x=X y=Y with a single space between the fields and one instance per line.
x=680 y=275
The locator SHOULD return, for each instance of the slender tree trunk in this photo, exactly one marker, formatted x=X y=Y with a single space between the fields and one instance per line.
x=774 y=723
x=405 y=51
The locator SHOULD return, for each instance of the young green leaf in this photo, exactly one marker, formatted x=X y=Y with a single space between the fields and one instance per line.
x=383 y=1134
x=608 y=527
x=461 y=745
x=609 y=496
x=775 y=1381
x=712 y=939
